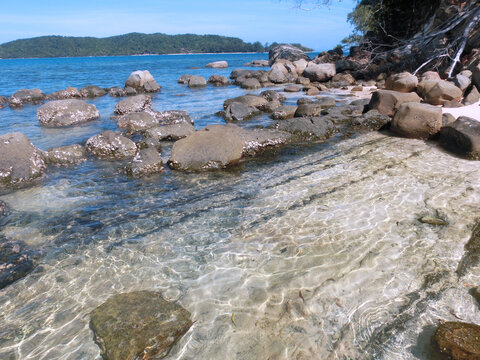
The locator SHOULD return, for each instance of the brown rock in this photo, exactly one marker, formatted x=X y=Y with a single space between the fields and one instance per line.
x=439 y=92
x=387 y=101
x=292 y=88
x=403 y=82
x=461 y=341
x=414 y=120
x=472 y=96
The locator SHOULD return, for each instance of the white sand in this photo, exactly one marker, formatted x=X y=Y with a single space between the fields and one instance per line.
x=472 y=111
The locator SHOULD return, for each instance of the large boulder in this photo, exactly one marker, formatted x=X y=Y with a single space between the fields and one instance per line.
x=300 y=66
x=68 y=112
x=319 y=72
x=111 y=145
x=136 y=121
x=170 y=117
x=438 y=92
x=21 y=163
x=388 y=101
x=196 y=81
x=92 y=91
x=66 y=155
x=415 y=120
x=137 y=103
x=138 y=325
x=402 y=82
x=462 y=137
x=217 y=80
x=279 y=74
x=249 y=100
x=239 y=112
x=286 y=52
x=308 y=128
x=26 y=96
x=146 y=162
x=217 y=65
x=170 y=132
x=458 y=340
x=142 y=81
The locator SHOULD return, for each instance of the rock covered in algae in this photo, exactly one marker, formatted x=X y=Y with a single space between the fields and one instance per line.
x=138 y=325
x=459 y=340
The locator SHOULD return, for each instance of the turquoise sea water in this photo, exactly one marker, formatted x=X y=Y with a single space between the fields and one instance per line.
x=336 y=222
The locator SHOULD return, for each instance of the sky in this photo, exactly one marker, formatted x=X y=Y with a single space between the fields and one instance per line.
x=320 y=28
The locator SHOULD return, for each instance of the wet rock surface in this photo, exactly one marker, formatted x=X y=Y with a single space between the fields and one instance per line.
x=146 y=162
x=138 y=325
x=308 y=128
x=131 y=104
x=284 y=112
x=459 y=340
x=16 y=261
x=111 y=145
x=68 y=112
x=66 y=155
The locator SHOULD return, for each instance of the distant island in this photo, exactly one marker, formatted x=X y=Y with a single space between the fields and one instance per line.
x=128 y=44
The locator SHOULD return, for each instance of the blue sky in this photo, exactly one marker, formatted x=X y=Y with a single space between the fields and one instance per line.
x=320 y=28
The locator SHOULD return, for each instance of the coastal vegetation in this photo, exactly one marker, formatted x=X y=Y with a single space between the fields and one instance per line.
x=128 y=44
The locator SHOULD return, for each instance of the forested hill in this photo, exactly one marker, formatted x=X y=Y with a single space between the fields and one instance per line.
x=129 y=44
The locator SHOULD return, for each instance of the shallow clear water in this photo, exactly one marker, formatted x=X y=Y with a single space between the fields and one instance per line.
x=316 y=250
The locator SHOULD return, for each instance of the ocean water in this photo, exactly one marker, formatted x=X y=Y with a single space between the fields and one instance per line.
x=316 y=249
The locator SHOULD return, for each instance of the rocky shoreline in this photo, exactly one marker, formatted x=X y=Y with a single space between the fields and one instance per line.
x=402 y=104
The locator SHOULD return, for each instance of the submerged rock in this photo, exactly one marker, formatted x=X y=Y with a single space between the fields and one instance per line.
x=92 y=91
x=15 y=262
x=459 y=340
x=146 y=162
x=69 y=112
x=142 y=81
x=435 y=221
x=21 y=163
x=462 y=137
x=26 y=96
x=137 y=103
x=170 y=117
x=138 y=325
x=111 y=145
x=66 y=155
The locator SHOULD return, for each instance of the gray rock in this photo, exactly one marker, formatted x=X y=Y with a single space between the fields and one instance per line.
x=462 y=82
x=26 y=96
x=402 y=82
x=137 y=103
x=92 y=91
x=69 y=112
x=452 y=104
x=303 y=80
x=197 y=81
x=66 y=155
x=319 y=72
x=326 y=102
x=170 y=132
x=251 y=83
x=142 y=82
x=21 y=163
x=217 y=80
x=278 y=74
x=271 y=95
x=414 y=120
x=137 y=121
x=111 y=145
x=284 y=112
x=458 y=340
x=361 y=102
x=447 y=119
x=472 y=96
x=138 y=325
x=68 y=93
x=311 y=91
x=184 y=79
x=372 y=120
x=217 y=65
x=129 y=91
x=116 y=92
x=305 y=110
x=238 y=73
x=249 y=100
x=170 y=117
x=346 y=65
x=146 y=162
x=462 y=137
x=272 y=106
x=239 y=112
x=3 y=209
x=286 y=52
x=308 y=128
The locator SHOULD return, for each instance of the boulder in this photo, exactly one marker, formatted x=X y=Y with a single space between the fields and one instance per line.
x=271 y=95
x=217 y=80
x=458 y=340
x=326 y=102
x=308 y=128
x=447 y=119
x=311 y=91
x=170 y=132
x=217 y=65
x=286 y=52
x=388 y=101
x=284 y=112
x=239 y=112
x=462 y=82
x=68 y=93
x=438 y=92
x=16 y=261
x=472 y=96
x=249 y=100
x=196 y=81
x=272 y=106
x=68 y=112
x=137 y=121
x=462 y=137
x=146 y=162
x=300 y=66
x=402 y=82
x=415 y=120
x=66 y=155
x=142 y=82
x=138 y=325
x=111 y=145
x=344 y=78
x=346 y=65
x=256 y=140
x=170 y=117
x=184 y=79
x=306 y=110
x=129 y=91
x=137 y=103
x=21 y=163
x=278 y=74
x=372 y=120
x=319 y=72
x=26 y=96
x=303 y=81
x=116 y=91
x=430 y=75
x=92 y=91
x=251 y=83
x=237 y=73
